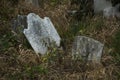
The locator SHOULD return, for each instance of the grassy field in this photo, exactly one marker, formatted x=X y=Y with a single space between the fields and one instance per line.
x=18 y=61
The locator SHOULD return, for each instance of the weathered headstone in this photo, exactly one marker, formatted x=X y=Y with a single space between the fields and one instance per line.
x=20 y=23
x=33 y=2
x=112 y=11
x=87 y=49
x=100 y=5
x=41 y=33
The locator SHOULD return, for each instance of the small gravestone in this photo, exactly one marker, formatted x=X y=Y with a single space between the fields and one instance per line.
x=41 y=33
x=112 y=11
x=33 y=2
x=20 y=23
x=87 y=49
x=100 y=5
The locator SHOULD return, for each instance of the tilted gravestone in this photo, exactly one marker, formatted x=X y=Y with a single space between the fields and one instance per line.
x=87 y=49
x=41 y=33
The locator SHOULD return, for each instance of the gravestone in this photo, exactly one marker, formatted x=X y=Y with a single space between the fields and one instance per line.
x=100 y=5
x=41 y=33
x=20 y=23
x=33 y=2
x=112 y=12
x=87 y=49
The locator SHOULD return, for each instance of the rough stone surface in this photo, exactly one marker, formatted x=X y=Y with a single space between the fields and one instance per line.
x=100 y=5
x=87 y=48
x=41 y=33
